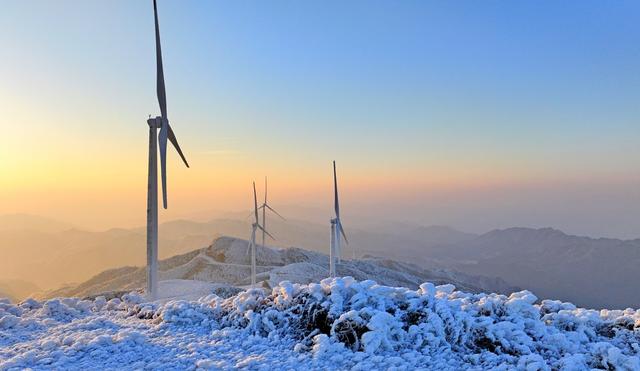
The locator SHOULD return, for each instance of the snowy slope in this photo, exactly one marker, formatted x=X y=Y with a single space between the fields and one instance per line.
x=336 y=324
x=226 y=261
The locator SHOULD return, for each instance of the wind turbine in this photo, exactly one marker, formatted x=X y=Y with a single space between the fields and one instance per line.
x=264 y=208
x=337 y=231
x=166 y=133
x=255 y=226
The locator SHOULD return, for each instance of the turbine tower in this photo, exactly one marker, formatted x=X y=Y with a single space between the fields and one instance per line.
x=337 y=231
x=264 y=208
x=166 y=133
x=252 y=245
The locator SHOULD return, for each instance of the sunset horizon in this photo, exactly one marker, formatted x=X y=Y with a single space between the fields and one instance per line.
x=398 y=118
x=319 y=185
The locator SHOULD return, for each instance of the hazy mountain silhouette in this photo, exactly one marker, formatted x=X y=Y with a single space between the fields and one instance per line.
x=590 y=272
x=27 y=222
x=17 y=289
x=50 y=257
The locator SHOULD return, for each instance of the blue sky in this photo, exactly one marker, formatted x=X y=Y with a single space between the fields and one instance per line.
x=467 y=92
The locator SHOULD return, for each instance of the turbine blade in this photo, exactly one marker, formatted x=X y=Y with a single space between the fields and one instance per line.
x=162 y=97
x=342 y=231
x=174 y=141
x=163 y=159
x=261 y=207
x=255 y=202
x=335 y=190
x=268 y=234
x=160 y=87
x=275 y=212
x=265 y=189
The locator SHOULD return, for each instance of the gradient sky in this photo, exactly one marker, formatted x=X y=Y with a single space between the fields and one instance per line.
x=476 y=114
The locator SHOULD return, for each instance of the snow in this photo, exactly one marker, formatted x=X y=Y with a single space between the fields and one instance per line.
x=338 y=323
x=178 y=289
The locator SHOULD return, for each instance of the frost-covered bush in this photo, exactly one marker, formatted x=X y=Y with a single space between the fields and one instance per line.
x=7 y=308
x=59 y=310
x=366 y=317
x=186 y=313
x=339 y=322
x=30 y=304
x=8 y=321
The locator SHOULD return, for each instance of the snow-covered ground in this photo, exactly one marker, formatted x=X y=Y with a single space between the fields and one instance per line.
x=191 y=290
x=335 y=324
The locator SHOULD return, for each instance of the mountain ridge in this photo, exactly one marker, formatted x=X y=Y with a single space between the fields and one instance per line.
x=226 y=261
x=590 y=272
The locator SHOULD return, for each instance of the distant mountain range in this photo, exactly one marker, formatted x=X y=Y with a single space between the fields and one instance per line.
x=17 y=289
x=27 y=222
x=591 y=272
x=51 y=253
x=226 y=261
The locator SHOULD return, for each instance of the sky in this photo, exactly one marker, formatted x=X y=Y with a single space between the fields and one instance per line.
x=475 y=114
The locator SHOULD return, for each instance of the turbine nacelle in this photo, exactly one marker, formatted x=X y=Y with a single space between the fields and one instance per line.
x=155 y=122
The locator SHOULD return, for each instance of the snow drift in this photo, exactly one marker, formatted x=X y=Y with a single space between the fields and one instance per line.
x=337 y=323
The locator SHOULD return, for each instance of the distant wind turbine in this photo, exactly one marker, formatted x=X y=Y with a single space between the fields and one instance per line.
x=264 y=208
x=337 y=231
x=166 y=133
x=252 y=246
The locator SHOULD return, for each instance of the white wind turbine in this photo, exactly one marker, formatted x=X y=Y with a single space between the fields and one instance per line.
x=264 y=208
x=252 y=245
x=166 y=133
x=337 y=231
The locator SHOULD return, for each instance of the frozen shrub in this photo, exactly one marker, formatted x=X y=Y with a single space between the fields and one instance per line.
x=186 y=313
x=59 y=310
x=99 y=303
x=11 y=309
x=30 y=304
x=113 y=304
x=8 y=321
x=367 y=318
